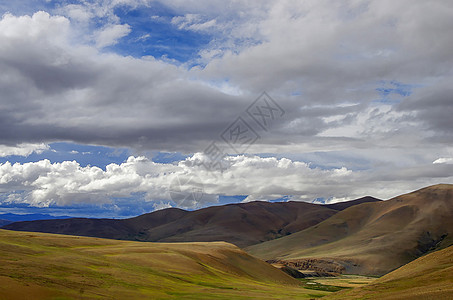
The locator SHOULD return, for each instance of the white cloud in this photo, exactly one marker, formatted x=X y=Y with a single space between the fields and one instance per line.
x=78 y=12
x=110 y=35
x=143 y=37
x=68 y=183
x=40 y=25
x=22 y=149
x=444 y=160
x=161 y=205
x=193 y=22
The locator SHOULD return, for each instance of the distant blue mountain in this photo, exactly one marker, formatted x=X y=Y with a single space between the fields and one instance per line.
x=4 y=222
x=28 y=217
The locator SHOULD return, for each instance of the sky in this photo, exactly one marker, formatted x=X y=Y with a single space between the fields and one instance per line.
x=116 y=108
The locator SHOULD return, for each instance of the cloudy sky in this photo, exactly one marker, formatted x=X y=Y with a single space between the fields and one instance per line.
x=119 y=107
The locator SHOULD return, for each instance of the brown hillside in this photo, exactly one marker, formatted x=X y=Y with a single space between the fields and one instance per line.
x=346 y=204
x=241 y=224
x=374 y=238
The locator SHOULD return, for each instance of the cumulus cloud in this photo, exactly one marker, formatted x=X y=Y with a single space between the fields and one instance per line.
x=22 y=149
x=45 y=184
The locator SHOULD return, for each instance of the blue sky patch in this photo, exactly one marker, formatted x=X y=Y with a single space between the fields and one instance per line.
x=169 y=157
x=393 y=91
x=85 y=155
x=153 y=34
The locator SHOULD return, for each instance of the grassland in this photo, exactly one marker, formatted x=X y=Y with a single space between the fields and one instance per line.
x=47 y=266
x=428 y=277
x=51 y=266
x=343 y=281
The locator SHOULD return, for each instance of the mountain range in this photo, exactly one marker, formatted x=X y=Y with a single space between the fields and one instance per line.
x=407 y=239
x=4 y=222
x=29 y=217
x=242 y=224
x=366 y=236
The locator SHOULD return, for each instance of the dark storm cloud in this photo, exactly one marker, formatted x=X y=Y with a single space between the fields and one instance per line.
x=324 y=65
x=434 y=107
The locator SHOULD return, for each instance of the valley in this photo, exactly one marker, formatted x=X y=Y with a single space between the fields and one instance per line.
x=401 y=247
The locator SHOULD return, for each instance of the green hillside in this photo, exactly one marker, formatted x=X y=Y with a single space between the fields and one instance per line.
x=51 y=266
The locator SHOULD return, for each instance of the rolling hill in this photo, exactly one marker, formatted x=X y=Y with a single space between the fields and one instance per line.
x=428 y=277
x=241 y=224
x=48 y=266
x=346 y=204
x=9 y=218
x=372 y=238
x=4 y=222
x=29 y=217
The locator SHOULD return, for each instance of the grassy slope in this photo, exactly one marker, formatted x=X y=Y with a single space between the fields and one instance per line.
x=373 y=238
x=428 y=277
x=48 y=266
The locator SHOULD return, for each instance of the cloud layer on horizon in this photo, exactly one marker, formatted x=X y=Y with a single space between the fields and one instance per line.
x=44 y=184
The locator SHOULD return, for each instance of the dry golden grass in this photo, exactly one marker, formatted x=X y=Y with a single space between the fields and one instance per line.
x=373 y=238
x=428 y=277
x=47 y=266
